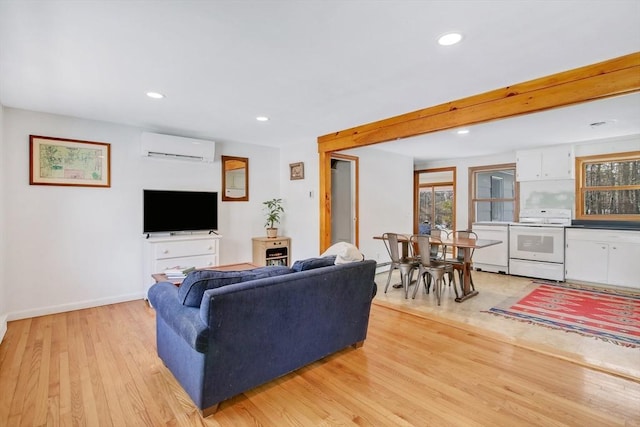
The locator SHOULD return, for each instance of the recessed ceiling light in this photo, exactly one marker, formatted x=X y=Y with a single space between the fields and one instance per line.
x=262 y=118
x=155 y=95
x=449 y=39
x=462 y=131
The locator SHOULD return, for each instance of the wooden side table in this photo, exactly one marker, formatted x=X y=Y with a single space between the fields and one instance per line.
x=272 y=251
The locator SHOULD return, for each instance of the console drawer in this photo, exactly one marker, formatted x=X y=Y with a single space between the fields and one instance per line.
x=201 y=261
x=184 y=248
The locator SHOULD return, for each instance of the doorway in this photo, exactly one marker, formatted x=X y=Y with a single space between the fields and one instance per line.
x=344 y=199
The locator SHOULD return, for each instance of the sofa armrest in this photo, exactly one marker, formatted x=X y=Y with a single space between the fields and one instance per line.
x=185 y=321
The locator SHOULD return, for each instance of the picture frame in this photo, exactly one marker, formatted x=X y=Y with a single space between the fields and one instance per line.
x=69 y=162
x=296 y=170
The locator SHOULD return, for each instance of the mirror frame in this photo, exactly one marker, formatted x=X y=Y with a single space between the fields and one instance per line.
x=617 y=76
x=245 y=162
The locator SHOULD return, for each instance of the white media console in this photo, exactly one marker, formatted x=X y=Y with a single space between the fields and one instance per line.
x=182 y=250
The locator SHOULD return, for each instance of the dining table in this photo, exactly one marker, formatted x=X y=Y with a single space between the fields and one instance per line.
x=466 y=244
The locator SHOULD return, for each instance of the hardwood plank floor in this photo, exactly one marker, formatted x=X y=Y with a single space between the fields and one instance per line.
x=99 y=367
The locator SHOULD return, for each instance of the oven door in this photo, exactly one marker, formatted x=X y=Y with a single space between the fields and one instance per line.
x=536 y=243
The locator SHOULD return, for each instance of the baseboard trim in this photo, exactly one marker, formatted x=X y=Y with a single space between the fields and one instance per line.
x=3 y=327
x=382 y=267
x=79 y=305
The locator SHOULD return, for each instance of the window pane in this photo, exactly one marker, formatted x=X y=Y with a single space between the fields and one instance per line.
x=425 y=208
x=495 y=211
x=612 y=173
x=444 y=207
x=615 y=202
x=495 y=185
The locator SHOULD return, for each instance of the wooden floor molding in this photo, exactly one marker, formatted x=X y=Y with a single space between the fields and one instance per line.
x=99 y=367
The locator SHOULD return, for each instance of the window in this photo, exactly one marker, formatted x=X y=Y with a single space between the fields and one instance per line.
x=435 y=201
x=493 y=193
x=436 y=206
x=608 y=186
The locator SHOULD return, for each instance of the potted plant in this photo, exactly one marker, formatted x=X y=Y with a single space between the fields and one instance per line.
x=274 y=209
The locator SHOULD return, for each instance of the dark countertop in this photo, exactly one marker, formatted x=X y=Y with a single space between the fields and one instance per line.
x=606 y=225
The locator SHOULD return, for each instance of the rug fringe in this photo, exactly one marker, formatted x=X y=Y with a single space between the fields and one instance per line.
x=558 y=328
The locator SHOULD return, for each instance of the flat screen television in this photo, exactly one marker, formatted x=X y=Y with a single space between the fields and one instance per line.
x=175 y=211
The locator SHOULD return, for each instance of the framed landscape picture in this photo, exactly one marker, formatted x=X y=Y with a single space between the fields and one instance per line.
x=57 y=161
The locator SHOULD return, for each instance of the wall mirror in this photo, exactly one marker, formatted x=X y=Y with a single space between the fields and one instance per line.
x=235 y=179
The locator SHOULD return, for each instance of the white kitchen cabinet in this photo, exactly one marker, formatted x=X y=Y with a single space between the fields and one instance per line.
x=190 y=250
x=609 y=257
x=492 y=258
x=545 y=163
x=586 y=261
x=624 y=264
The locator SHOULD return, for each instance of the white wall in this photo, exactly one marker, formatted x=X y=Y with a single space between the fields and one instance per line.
x=386 y=198
x=606 y=146
x=301 y=219
x=3 y=293
x=74 y=247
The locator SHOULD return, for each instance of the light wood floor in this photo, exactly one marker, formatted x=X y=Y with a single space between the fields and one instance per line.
x=99 y=367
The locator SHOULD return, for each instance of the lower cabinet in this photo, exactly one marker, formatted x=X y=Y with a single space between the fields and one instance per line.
x=610 y=257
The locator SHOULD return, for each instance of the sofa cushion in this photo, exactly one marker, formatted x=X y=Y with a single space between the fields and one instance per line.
x=192 y=288
x=311 y=263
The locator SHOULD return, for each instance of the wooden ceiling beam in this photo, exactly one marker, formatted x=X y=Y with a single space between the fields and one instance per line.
x=605 y=79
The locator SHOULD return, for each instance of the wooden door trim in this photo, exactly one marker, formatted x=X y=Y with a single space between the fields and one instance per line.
x=356 y=163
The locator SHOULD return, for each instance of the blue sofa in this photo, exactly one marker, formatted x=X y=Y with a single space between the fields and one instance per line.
x=251 y=327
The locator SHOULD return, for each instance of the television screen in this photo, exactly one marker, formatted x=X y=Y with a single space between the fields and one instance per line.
x=172 y=211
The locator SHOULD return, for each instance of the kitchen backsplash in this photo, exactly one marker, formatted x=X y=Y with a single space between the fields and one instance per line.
x=558 y=194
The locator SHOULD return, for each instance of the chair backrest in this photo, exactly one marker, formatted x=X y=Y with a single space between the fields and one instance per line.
x=464 y=234
x=426 y=245
x=391 y=243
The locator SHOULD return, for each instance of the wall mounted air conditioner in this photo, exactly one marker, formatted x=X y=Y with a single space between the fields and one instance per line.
x=177 y=147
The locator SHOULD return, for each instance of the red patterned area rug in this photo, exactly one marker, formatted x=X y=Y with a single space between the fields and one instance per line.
x=606 y=314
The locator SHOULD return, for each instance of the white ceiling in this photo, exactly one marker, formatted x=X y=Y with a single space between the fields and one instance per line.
x=314 y=67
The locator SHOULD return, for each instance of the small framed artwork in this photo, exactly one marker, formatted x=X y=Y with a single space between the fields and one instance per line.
x=57 y=161
x=297 y=170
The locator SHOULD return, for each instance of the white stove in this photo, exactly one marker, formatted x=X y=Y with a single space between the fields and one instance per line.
x=545 y=217
x=536 y=243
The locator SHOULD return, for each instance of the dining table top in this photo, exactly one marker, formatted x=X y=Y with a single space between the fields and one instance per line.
x=459 y=242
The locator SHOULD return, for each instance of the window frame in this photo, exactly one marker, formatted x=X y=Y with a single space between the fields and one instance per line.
x=472 y=190
x=416 y=192
x=581 y=187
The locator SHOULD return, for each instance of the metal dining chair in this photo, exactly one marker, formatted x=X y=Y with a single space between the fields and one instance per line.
x=438 y=253
x=457 y=263
x=429 y=270
x=406 y=265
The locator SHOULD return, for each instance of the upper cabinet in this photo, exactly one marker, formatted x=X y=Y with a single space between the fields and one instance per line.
x=545 y=163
